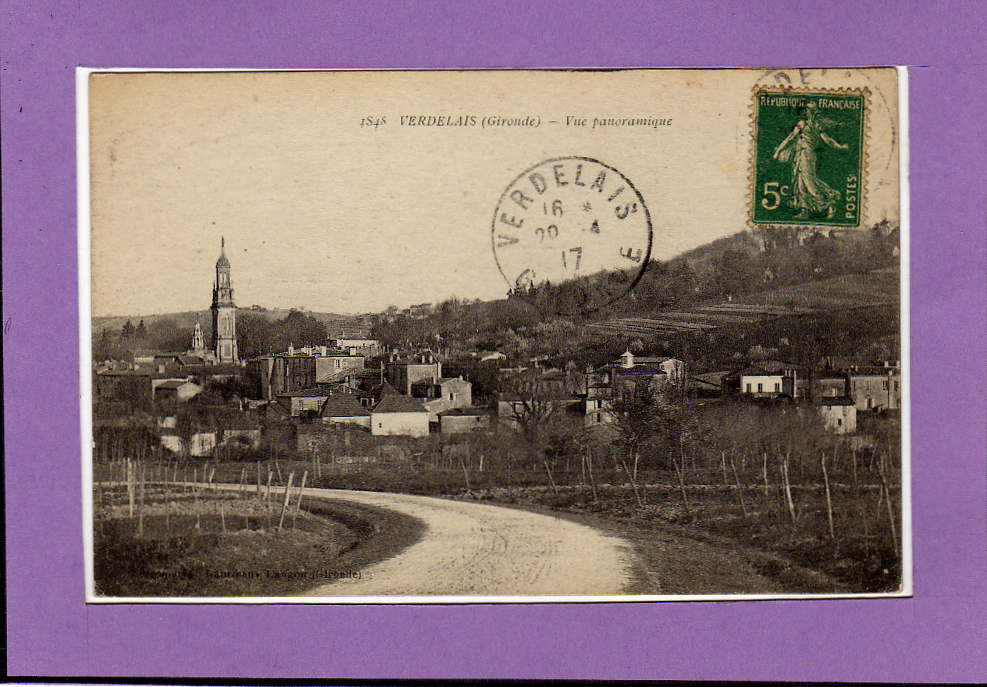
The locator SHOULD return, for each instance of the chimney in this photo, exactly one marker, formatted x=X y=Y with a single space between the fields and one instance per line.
x=627 y=360
x=291 y=349
x=324 y=350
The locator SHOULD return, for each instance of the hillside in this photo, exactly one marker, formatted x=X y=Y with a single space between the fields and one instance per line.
x=877 y=288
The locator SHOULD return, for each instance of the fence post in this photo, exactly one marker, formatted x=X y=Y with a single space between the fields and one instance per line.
x=829 y=500
x=298 y=504
x=140 y=510
x=130 y=486
x=287 y=496
x=740 y=489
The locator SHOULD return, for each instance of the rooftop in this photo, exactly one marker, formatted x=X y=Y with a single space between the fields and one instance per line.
x=174 y=384
x=465 y=412
x=304 y=393
x=396 y=403
x=343 y=405
x=835 y=401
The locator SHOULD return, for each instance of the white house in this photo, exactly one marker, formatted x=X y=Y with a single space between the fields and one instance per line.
x=171 y=440
x=344 y=409
x=839 y=414
x=202 y=444
x=398 y=415
x=771 y=378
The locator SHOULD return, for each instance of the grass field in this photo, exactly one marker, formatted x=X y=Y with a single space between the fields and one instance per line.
x=182 y=542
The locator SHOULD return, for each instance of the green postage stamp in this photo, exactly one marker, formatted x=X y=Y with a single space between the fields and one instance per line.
x=809 y=155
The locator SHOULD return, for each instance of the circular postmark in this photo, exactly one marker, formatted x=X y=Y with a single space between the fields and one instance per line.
x=572 y=221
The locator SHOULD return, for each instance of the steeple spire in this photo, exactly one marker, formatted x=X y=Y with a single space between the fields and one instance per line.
x=223 y=310
x=223 y=260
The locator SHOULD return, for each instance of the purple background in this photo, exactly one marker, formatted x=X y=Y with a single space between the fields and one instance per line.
x=938 y=635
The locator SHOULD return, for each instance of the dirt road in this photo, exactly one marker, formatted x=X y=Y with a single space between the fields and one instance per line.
x=477 y=549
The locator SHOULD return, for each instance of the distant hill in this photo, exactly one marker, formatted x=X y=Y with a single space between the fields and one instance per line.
x=187 y=319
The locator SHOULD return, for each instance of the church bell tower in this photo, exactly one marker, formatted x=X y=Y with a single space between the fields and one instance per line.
x=223 y=311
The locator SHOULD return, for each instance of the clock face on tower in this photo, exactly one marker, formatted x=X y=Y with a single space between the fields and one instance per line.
x=569 y=218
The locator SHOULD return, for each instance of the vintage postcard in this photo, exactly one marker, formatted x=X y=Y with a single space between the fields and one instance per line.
x=459 y=336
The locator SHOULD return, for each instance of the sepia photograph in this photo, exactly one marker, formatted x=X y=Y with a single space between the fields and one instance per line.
x=494 y=335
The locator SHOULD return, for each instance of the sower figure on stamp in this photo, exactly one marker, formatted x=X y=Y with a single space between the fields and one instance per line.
x=810 y=194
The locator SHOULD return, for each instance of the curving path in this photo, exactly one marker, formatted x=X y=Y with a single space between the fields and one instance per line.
x=482 y=550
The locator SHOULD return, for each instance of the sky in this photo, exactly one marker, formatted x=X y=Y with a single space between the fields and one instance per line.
x=320 y=212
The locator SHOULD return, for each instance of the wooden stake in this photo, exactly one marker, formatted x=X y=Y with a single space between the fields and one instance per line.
x=130 y=485
x=788 y=488
x=829 y=500
x=550 y=478
x=764 y=469
x=284 y=505
x=887 y=500
x=301 y=488
x=589 y=467
x=140 y=510
x=740 y=490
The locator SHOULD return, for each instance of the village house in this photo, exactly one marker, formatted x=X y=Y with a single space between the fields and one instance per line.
x=164 y=361
x=302 y=401
x=298 y=369
x=202 y=444
x=444 y=393
x=242 y=432
x=344 y=409
x=513 y=409
x=630 y=371
x=357 y=345
x=839 y=414
x=402 y=373
x=399 y=415
x=132 y=385
x=464 y=420
x=598 y=411
x=831 y=385
x=176 y=390
x=172 y=440
x=771 y=379
x=707 y=384
x=876 y=388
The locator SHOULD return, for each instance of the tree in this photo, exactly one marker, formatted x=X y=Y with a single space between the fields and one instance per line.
x=300 y=329
x=141 y=330
x=534 y=404
x=127 y=332
x=635 y=413
x=255 y=335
